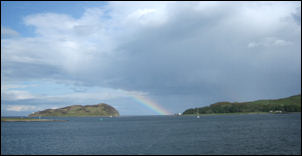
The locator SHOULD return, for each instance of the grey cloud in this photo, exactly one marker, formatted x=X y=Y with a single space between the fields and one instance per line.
x=297 y=15
x=199 y=54
x=25 y=71
x=173 y=60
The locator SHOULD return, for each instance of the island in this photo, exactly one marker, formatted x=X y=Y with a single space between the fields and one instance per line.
x=283 y=105
x=101 y=109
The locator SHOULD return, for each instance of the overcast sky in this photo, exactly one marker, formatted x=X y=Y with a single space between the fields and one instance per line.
x=178 y=54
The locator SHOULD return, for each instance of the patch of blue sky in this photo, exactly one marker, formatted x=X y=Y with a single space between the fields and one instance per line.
x=13 y=12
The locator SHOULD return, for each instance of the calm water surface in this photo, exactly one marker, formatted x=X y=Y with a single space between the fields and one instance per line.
x=221 y=134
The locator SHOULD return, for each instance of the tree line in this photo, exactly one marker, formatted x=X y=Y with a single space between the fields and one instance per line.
x=290 y=104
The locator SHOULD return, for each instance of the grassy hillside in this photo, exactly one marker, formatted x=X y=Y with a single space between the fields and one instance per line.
x=290 y=104
x=79 y=110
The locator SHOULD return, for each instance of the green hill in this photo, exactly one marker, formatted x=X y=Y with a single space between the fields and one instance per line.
x=79 y=110
x=289 y=104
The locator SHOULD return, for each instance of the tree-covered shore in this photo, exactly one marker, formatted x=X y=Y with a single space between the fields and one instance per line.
x=289 y=104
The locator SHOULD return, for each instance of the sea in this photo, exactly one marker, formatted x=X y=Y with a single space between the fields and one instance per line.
x=260 y=134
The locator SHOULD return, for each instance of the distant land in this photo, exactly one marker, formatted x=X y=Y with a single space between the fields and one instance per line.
x=283 y=105
x=21 y=119
x=101 y=109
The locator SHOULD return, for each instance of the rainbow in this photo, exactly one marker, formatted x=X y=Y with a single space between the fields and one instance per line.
x=150 y=104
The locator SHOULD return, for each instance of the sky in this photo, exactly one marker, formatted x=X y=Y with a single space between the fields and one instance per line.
x=147 y=58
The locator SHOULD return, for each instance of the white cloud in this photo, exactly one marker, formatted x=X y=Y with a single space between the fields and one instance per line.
x=98 y=94
x=51 y=24
x=95 y=41
x=5 y=87
x=147 y=17
x=162 y=48
x=8 y=32
x=253 y=44
x=282 y=43
x=19 y=108
x=269 y=42
x=15 y=92
x=17 y=95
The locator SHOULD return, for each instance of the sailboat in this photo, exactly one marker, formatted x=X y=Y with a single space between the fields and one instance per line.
x=197 y=113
